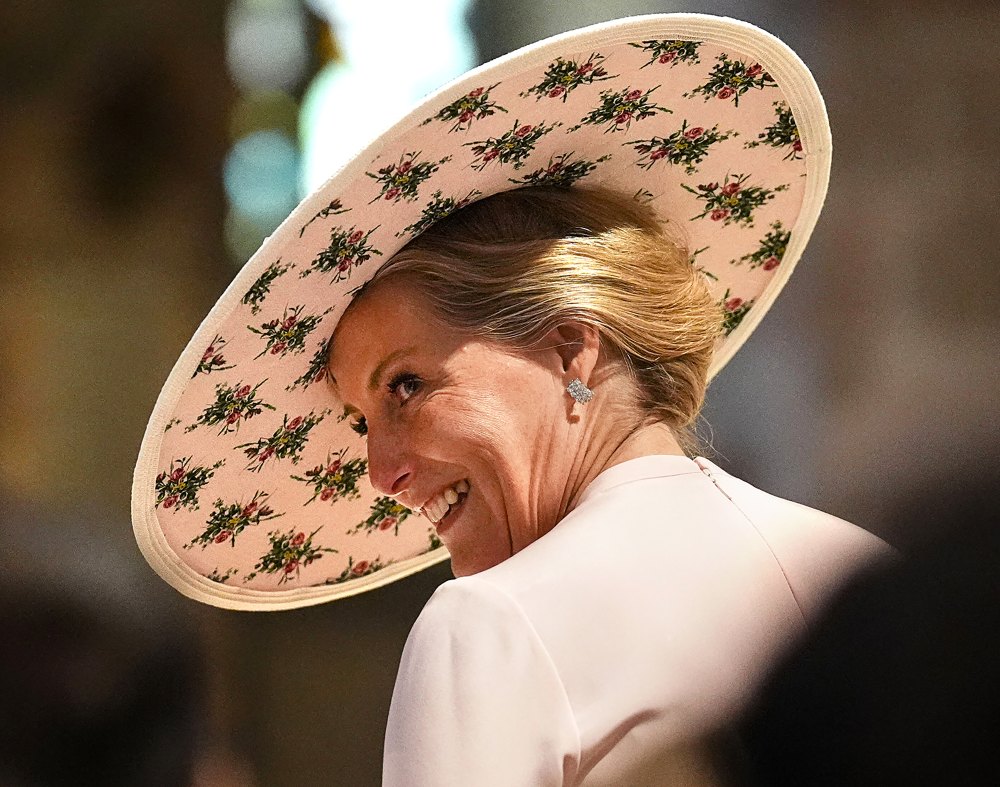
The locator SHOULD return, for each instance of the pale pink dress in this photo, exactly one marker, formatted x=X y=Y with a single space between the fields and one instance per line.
x=613 y=649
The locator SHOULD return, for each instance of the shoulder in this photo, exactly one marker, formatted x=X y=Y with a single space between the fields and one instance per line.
x=477 y=698
x=817 y=552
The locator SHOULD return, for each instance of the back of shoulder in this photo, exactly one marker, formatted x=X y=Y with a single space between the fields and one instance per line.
x=817 y=552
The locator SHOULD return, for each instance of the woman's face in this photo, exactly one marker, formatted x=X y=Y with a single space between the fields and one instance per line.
x=448 y=415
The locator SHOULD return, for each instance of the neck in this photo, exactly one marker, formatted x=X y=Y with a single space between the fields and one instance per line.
x=646 y=440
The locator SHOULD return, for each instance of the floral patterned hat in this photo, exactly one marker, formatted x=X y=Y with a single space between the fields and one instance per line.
x=251 y=491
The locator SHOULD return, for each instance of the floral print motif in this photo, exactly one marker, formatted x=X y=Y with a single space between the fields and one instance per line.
x=620 y=107
x=386 y=514
x=317 y=371
x=354 y=570
x=513 y=146
x=290 y=552
x=434 y=541
x=772 y=248
x=347 y=249
x=287 y=441
x=224 y=577
x=732 y=202
x=260 y=288
x=335 y=479
x=734 y=310
x=687 y=146
x=288 y=334
x=783 y=133
x=474 y=105
x=233 y=404
x=560 y=171
x=693 y=262
x=731 y=79
x=562 y=77
x=438 y=208
x=401 y=181
x=670 y=52
x=227 y=521
x=212 y=359
x=178 y=486
x=335 y=208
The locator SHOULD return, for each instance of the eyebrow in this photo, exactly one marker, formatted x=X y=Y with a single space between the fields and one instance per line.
x=376 y=373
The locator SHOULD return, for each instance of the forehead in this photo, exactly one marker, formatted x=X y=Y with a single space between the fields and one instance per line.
x=387 y=317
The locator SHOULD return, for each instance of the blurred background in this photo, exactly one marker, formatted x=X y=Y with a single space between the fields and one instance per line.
x=147 y=148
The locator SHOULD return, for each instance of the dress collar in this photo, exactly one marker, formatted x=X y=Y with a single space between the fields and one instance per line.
x=639 y=469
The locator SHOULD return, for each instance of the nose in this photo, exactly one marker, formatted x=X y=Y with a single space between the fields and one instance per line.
x=390 y=467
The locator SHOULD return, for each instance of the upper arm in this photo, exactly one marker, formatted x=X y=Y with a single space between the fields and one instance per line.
x=477 y=698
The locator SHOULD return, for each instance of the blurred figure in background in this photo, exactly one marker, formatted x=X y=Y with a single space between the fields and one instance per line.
x=900 y=682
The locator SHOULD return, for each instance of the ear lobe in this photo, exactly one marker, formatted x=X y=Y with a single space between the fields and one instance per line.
x=577 y=346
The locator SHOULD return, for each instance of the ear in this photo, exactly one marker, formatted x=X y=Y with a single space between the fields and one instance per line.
x=576 y=347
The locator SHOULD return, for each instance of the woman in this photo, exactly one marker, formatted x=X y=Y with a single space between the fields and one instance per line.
x=524 y=374
x=522 y=371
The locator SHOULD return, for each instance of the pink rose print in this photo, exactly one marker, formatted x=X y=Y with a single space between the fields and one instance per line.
x=586 y=68
x=299 y=539
x=667 y=57
x=797 y=146
x=476 y=93
x=771 y=263
x=657 y=154
x=523 y=131
x=291 y=566
x=730 y=188
x=388 y=523
x=392 y=193
x=404 y=167
x=326 y=494
x=361 y=567
x=333 y=467
x=222 y=537
x=726 y=92
x=242 y=392
x=755 y=69
x=171 y=501
x=465 y=117
x=556 y=91
x=355 y=236
x=177 y=474
x=624 y=117
x=694 y=133
x=294 y=424
x=633 y=95
x=733 y=304
x=718 y=214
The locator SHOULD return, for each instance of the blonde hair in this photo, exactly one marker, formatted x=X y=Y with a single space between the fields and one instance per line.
x=515 y=265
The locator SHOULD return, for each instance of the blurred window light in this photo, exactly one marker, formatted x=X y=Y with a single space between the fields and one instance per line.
x=260 y=174
x=393 y=52
x=266 y=44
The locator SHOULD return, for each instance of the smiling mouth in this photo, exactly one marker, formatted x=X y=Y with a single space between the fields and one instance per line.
x=440 y=509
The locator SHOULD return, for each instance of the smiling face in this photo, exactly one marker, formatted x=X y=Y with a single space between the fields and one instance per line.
x=452 y=416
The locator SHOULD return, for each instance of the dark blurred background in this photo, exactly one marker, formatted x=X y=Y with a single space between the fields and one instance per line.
x=146 y=148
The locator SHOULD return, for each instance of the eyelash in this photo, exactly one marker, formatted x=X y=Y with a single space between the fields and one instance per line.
x=400 y=380
x=361 y=425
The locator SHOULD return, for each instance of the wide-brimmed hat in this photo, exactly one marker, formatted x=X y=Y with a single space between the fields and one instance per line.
x=250 y=490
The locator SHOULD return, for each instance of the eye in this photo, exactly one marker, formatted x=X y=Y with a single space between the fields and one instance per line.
x=405 y=385
x=360 y=426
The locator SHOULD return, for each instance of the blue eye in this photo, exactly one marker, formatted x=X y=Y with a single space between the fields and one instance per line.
x=403 y=386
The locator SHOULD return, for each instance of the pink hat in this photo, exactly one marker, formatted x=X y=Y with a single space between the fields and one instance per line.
x=250 y=490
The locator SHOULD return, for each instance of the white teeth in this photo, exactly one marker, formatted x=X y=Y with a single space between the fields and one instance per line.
x=436 y=509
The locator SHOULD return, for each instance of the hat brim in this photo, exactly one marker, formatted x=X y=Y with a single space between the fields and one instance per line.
x=250 y=492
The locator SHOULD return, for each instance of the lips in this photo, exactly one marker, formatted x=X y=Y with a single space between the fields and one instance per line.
x=438 y=507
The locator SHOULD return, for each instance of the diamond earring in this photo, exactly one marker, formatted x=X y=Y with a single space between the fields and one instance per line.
x=579 y=391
